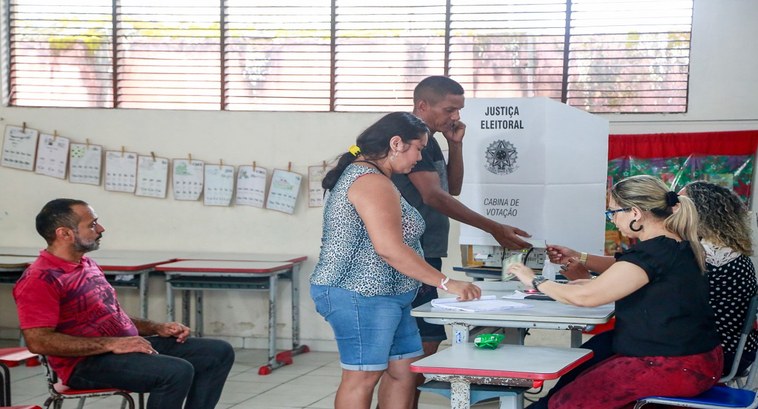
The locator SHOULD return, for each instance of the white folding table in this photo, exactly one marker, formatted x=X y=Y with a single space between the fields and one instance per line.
x=517 y=366
x=542 y=314
x=200 y=275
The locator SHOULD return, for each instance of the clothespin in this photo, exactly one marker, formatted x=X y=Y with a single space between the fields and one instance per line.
x=220 y=163
x=253 y=166
x=123 y=150
x=323 y=165
x=289 y=167
x=87 y=141
x=55 y=135
x=190 y=157
x=23 y=127
x=153 y=155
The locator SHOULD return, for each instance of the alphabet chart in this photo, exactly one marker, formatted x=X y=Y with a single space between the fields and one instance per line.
x=315 y=191
x=152 y=176
x=285 y=187
x=19 y=147
x=120 y=171
x=219 y=185
x=188 y=179
x=85 y=163
x=251 y=186
x=52 y=156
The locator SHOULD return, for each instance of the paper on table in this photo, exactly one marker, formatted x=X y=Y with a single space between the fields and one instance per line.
x=486 y=303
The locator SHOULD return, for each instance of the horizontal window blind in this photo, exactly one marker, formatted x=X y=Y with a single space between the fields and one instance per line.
x=61 y=53
x=167 y=54
x=277 y=55
x=619 y=56
x=508 y=49
x=383 y=48
x=629 y=56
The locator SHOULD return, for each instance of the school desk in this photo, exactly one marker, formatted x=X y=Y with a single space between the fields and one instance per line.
x=517 y=367
x=131 y=270
x=200 y=275
x=541 y=314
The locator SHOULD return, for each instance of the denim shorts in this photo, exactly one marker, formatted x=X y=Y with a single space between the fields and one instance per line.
x=370 y=331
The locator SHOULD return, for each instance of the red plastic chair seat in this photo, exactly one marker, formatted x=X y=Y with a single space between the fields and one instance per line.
x=68 y=391
x=21 y=407
x=16 y=355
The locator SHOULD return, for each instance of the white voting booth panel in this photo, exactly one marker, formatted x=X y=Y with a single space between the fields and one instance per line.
x=536 y=164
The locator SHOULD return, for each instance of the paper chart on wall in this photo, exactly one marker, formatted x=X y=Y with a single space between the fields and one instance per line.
x=152 y=176
x=120 y=171
x=19 y=147
x=219 y=185
x=85 y=163
x=315 y=191
x=251 y=186
x=187 y=179
x=284 y=190
x=52 y=156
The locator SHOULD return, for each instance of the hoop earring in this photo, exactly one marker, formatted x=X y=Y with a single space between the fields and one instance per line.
x=631 y=226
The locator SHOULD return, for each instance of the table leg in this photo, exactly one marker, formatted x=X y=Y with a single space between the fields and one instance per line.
x=285 y=357
x=460 y=334
x=295 y=306
x=199 y=313
x=169 y=300
x=273 y=281
x=512 y=401
x=186 y=307
x=576 y=338
x=143 y=280
x=460 y=394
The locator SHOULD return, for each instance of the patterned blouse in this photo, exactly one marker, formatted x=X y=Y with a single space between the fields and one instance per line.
x=732 y=282
x=348 y=259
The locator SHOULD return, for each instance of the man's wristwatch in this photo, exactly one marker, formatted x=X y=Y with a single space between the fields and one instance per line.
x=536 y=281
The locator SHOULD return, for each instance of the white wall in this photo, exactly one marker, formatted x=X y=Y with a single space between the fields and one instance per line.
x=723 y=85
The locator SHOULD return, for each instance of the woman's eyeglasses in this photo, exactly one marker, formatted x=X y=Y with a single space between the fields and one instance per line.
x=609 y=213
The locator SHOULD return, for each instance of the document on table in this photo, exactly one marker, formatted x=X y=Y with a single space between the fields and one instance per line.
x=486 y=303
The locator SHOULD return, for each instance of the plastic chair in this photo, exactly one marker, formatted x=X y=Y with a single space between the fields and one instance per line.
x=10 y=357
x=721 y=396
x=59 y=392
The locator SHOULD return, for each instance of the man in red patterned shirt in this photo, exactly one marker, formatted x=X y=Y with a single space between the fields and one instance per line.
x=69 y=312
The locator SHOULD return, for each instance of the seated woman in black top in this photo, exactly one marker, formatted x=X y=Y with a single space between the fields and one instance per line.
x=665 y=340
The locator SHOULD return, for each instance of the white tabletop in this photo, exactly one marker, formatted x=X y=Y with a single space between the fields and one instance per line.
x=19 y=262
x=19 y=251
x=224 y=266
x=507 y=361
x=211 y=255
x=539 y=312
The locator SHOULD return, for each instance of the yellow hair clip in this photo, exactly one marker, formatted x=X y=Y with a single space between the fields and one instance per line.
x=355 y=150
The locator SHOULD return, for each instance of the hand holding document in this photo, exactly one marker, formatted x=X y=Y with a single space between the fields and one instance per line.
x=486 y=303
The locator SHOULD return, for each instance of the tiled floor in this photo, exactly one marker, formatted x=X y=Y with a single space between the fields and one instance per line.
x=310 y=382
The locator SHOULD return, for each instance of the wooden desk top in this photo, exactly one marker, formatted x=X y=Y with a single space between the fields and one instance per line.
x=507 y=361
x=224 y=266
x=16 y=261
x=19 y=251
x=204 y=255
x=136 y=263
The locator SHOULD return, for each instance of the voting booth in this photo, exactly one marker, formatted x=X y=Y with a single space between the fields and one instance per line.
x=536 y=164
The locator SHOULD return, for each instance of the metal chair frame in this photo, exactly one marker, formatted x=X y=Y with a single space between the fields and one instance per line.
x=59 y=392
